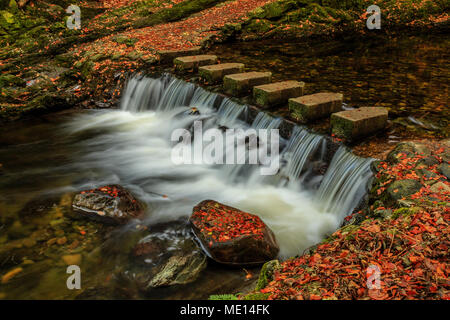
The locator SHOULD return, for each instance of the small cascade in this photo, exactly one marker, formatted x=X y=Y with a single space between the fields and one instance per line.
x=302 y=200
x=229 y=111
x=203 y=99
x=265 y=121
x=177 y=94
x=345 y=183
x=141 y=94
x=301 y=149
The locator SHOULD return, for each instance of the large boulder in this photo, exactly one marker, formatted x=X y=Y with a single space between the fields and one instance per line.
x=110 y=204
x=232 y=236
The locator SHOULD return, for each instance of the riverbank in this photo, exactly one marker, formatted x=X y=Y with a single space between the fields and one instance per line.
x=397 y=248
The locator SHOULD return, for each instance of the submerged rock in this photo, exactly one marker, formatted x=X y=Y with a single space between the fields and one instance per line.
x=167 y=255
x=232 y=236
x=110 y=204
x=179 y=270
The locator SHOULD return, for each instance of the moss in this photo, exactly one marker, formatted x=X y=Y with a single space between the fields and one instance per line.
x=266 y=274
x=256 y=296
x=259 y=26
x=11 y=80
x=222 y=297
x=125 y=40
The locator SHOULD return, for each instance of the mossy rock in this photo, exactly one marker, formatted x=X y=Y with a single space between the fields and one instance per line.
x=266 y=274
x=125 y=40
x=409 y=149
x=259 y=26
x=403 y=188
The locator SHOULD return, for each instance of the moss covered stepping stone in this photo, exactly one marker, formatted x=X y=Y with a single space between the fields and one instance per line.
x=216 y=72
x=277 y=93
x=241 y=83
x=168 y=55
x=315 y=106
x=193 y=62
x=358 y=123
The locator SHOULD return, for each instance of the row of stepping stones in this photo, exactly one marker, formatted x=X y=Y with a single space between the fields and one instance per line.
x=350 y=124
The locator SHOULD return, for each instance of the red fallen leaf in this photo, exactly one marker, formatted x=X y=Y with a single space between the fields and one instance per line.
x=373 y=228
x=315 y=297
x=415 y=259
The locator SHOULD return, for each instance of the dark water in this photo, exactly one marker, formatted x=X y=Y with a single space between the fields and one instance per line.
x=410 y=75
x=38 y=230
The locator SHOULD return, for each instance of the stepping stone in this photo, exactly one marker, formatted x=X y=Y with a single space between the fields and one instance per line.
x=216 y=72
x=358 y=123
x=193 y=62
x=315 y=106
x=166 y=56
x=240 y=83
x=277 y=93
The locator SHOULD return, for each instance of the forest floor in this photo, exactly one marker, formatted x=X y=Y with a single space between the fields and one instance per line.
x=45 y=67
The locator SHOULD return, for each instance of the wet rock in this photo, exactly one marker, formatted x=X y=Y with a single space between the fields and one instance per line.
x=193 y=112
x=444 y=168
x=109 y=204
x=409 y=149
x=428 y=161
x=72 y=259
x=232 y=236
x=166 y=256
x=403 y=188
x=179 y=270
x=440 y=187
x=37 y=208
x=427 y=174
x=162 y=242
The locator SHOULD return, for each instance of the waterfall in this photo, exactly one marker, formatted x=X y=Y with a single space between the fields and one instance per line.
x=345 y=183
x=229 y=111
x=133 y=147
x=300 y=150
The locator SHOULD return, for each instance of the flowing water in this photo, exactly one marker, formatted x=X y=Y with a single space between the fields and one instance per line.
x=132 y=146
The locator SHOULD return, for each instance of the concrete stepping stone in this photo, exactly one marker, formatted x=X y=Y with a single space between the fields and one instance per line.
x=315 y=106
x=355 y=124
x=216 y=72
x=166 y=56
x=277 y=93
x=193 y=62
x=240 y=83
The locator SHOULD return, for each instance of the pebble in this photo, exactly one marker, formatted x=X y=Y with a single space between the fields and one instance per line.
x=61 y=241
x=51 y=241
x=72 y=259
x=29 y=242
x=11 y=274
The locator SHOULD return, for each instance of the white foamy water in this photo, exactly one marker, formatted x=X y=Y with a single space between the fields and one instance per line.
x=132 y=147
